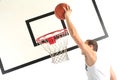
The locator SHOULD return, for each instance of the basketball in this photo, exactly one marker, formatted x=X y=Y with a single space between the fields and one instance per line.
x=59 y=11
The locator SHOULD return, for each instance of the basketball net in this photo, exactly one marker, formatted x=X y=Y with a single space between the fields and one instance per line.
x=55 y=43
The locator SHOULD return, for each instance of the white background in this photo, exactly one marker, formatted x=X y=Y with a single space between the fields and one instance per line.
x=74 y=68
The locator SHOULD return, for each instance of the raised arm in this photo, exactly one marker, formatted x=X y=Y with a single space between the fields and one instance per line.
x=90 y=55
x=72 y=29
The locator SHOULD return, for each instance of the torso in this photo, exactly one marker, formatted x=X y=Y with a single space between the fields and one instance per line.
x=100 y=70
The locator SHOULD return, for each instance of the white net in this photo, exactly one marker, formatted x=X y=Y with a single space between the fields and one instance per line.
x=55 y=43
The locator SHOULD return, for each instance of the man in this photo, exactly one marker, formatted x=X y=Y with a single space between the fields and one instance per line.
x=96 y=68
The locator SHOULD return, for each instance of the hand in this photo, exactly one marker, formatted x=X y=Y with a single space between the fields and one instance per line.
x=67 y=12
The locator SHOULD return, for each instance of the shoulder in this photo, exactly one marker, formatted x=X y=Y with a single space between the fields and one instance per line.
x=91 y=58
x=90 y=54
x=101 y=64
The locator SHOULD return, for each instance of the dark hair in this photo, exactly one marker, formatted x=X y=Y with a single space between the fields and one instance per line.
x=94 y=43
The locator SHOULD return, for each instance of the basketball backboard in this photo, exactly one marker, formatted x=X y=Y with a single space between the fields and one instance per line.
x=24 y=21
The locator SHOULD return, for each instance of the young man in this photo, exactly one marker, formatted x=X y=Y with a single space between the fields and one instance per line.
x=96 y=67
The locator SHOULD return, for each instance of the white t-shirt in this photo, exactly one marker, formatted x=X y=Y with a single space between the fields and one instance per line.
x=100 y=70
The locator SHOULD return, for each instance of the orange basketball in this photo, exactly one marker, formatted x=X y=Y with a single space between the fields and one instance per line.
x=59 y=11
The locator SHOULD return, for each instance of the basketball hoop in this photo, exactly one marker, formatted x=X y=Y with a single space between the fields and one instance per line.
x=55 y=43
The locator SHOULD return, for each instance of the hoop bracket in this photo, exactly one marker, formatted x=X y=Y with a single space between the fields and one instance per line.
x=51 y=40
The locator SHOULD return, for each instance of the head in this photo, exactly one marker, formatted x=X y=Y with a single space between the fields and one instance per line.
x=93 y=44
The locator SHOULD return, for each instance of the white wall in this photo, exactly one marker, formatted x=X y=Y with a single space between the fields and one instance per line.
x=74 y=68
x=110 y=13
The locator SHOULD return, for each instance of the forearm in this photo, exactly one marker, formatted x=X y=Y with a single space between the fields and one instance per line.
x=70 y=27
